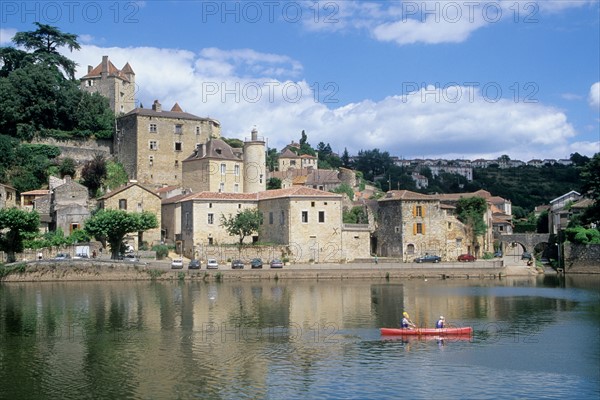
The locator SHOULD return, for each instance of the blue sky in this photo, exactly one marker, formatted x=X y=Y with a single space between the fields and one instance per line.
x=435 y=79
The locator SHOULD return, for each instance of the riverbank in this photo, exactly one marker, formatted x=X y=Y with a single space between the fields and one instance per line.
x=100 y=270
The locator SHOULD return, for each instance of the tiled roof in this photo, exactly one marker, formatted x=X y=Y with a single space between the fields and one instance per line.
x=38 y=192
x=287 y=153
x=125 y=187
x=112 y=71
x=214 y=148
x=166 y=189
x=296 y=191
x=176 y=108
x=406 y=195
x=148 y=112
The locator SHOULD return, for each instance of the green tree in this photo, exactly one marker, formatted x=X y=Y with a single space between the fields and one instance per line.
x=147 y=221
x=115 y=175
x=590 y=175
x=345 y=159
x=272 y=159
x=45 y=42
x=94 y=173
x=67 y=167
x=111 y=226
x=273 y=183
x=373 y=163
x=15 y=225
x=243 y=224
x=470 y=211
x=344 y=188
x=356 y=215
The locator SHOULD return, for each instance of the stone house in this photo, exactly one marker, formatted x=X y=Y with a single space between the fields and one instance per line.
x=288 y=159
x=413 y=224
x=152 y=143
x=8 y=196
x=69 y=206
x=307 y=220
x=117 y=85
x=28 y=198
x=134 y=197
x=559 y=212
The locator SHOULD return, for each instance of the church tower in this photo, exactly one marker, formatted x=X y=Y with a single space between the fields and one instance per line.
x=255 y=162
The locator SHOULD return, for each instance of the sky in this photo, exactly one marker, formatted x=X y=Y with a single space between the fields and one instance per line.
x=419 y=79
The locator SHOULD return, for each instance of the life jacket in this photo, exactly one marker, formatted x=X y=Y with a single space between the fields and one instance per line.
x=440 y=324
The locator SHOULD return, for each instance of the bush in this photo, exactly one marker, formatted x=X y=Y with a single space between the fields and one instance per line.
x=162 y=250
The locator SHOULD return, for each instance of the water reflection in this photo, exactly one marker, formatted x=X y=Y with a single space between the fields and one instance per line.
x=278 y=339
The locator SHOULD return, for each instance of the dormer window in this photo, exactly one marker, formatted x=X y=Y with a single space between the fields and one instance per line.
x=218 y=151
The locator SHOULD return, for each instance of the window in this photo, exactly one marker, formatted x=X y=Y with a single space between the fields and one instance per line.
x=418 y=229
x=261 y=178
x=90 y=82
x=410 y=249
x=73 y=227
x=221 y=187
x=209 y=205
x=459 y=243
x=236 y=188
x=419 y=211
x=292 y=162
x=304 y=216
x=397 y=229
x=236 y=170
x=282 y=218
x=187 y=219
x=176 y=164
x=178 y=129
x=270 y=217
x=239 y=206
x=139 y=207
x=449 y=225
x=197 y=130
x=152 y=128
x=210 y=241
x=178 y=146
x=151 y=160
x=153 y=145
x=321 y=217
x=223 y=169
x=122 y=204
x=211 y=218
x=312 y=203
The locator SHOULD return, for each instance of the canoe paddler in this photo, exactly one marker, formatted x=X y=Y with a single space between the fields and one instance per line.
x=441 y=322
x=406 y=322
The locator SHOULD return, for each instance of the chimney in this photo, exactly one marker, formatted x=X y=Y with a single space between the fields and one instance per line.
x=90 y=68
x=104 y=65
x=156 y=106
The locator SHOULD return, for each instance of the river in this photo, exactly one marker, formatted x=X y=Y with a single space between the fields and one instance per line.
x=533 y=338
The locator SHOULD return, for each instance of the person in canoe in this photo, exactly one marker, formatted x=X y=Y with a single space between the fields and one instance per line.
x=441 y=322
x=406 y=322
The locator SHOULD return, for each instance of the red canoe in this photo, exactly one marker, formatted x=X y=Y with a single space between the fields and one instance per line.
x=426 y=331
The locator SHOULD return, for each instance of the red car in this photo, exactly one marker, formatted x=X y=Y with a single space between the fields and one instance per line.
x=466 y=258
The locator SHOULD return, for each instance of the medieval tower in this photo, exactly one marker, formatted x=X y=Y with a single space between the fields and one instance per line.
x=117 y=85
x=255 y=172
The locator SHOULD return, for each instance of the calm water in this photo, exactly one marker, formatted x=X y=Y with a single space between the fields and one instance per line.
x=534 y=338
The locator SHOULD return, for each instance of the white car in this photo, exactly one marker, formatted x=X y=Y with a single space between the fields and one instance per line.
x=212 y=264
x=177 y=263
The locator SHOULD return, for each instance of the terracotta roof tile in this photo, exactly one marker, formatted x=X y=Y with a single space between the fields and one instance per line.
x=125 y=187
x=38 y=192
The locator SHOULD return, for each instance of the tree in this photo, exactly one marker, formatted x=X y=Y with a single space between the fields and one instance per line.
x=243 y=224
x=147 y=221
x=115 y=175
x=67 y=167
x=111 y=226
x=470 y=211
x=356 y=215
x=272 y=159
x=45 y=41
x=273 y=183
x=345 y=158
x=344 y=188
x=94 y=173
x=590 y=175
x=15 y=225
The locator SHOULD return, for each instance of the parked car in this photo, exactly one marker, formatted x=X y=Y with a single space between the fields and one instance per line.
x=62 y=256
x=276 y=263
x=237 y=264
x=212 y=264
x=526 y=256
x=428 y=258
x=177 y=263
x=81 y=256
x=131 y=258
x=194 y=264
x=256 y=263
x=467 y=258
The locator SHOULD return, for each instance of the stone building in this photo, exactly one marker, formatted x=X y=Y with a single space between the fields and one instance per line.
x=307 y=220
x=413 y=224
x=288 y=159
x=134 y=197
x=8 y=196
x=69 y=206
x=117 y=85
x=217 y=167
x=152 y=143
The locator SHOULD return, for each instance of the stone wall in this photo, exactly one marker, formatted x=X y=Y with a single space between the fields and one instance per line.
x=80 y=150
x=582 y=259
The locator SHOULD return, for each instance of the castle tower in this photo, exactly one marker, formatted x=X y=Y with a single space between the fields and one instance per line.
x=255 y=161
x=117 y=85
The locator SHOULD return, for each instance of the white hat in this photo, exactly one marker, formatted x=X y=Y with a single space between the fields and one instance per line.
x=442 y=317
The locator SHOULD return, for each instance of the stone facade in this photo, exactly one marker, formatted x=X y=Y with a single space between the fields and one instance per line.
x=134 y=197
x=288 y=159
x=8 y=196
x=117 y=85
x=69 y=206
x=581 y=258
x=152 y=143
x=413 y=224
x=306 y=221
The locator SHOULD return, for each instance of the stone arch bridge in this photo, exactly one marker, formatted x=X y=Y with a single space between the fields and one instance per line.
x=527 y=240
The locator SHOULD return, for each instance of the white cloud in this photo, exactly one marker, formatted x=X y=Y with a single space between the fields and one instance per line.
x=6 y=36
x=594 y=96
x=450 y=122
